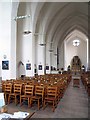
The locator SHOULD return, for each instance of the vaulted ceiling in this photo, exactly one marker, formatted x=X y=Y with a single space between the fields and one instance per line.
x=58 y=19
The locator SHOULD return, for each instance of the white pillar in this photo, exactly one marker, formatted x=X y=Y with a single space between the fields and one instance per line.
x=5 y=37
x=41 y=56
x=48 y=60
x=41 y=59
x=54 y=55
x=13 y=73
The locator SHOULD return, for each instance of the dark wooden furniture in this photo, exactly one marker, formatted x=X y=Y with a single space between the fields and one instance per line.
x=29 y=89
x=7 y=91
x=38 y=95
x=76 y=82
x=15 y=95
x=51 y=96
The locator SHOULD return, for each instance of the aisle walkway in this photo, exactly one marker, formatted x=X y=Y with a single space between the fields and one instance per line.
x=73 y=105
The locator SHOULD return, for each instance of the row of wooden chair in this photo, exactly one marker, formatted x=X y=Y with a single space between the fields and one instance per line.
x=36 y=89
x=49 y=79
x=32 y=93
x=85 y=77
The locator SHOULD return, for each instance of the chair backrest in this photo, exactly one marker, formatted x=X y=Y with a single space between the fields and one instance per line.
x=29 y=89
x=39 y=91
x=8 y=87
x=17 y=88
x=51 y=91
x=23 y=87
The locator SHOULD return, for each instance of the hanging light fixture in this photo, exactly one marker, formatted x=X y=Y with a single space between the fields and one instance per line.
x=42 y=44
x=42 y=41
x=28 y=22
x=51 y=50
x=27 y=31
x=21 y=17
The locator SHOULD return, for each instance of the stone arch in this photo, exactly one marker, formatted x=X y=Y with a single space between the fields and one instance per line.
x=75 y=51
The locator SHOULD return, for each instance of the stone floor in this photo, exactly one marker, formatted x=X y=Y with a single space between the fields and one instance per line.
x=74 y=104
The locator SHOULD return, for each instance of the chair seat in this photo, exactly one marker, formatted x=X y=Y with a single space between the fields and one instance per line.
x=50 y=98
x=26 y=96
x=14 y=94
x=36 y=97
x=28 y=93
x=6 y=92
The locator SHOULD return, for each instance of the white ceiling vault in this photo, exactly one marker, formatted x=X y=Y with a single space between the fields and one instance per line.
x=56 y=20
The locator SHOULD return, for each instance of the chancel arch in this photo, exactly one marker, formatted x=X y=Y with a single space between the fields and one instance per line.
x=71 y=50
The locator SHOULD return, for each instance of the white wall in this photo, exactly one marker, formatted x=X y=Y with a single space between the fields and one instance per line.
x=28 y=53
x=5 y=36
x=82 y=52
x=13 y=72
x=54 y=57
x=24 y=43
x=48 y=59
x=40 y=57
x=72 y=51
x=61 y=56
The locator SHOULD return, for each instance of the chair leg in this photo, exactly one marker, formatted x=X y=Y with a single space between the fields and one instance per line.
x=5 y=98
x=20 y=101
x=8 y=99
x=28 y=102
x=38 y=104
x=44 y=104
x=53 y=106
x=15 y=100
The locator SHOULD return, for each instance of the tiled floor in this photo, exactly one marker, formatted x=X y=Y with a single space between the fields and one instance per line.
x=74 y=104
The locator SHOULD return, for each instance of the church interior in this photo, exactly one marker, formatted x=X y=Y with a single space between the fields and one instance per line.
x=45 y=58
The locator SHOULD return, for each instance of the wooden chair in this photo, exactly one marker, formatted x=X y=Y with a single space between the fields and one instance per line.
x=51 y=96
x=28 y=93
x=16 y=93
x=38 y=95
x=7 y=91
